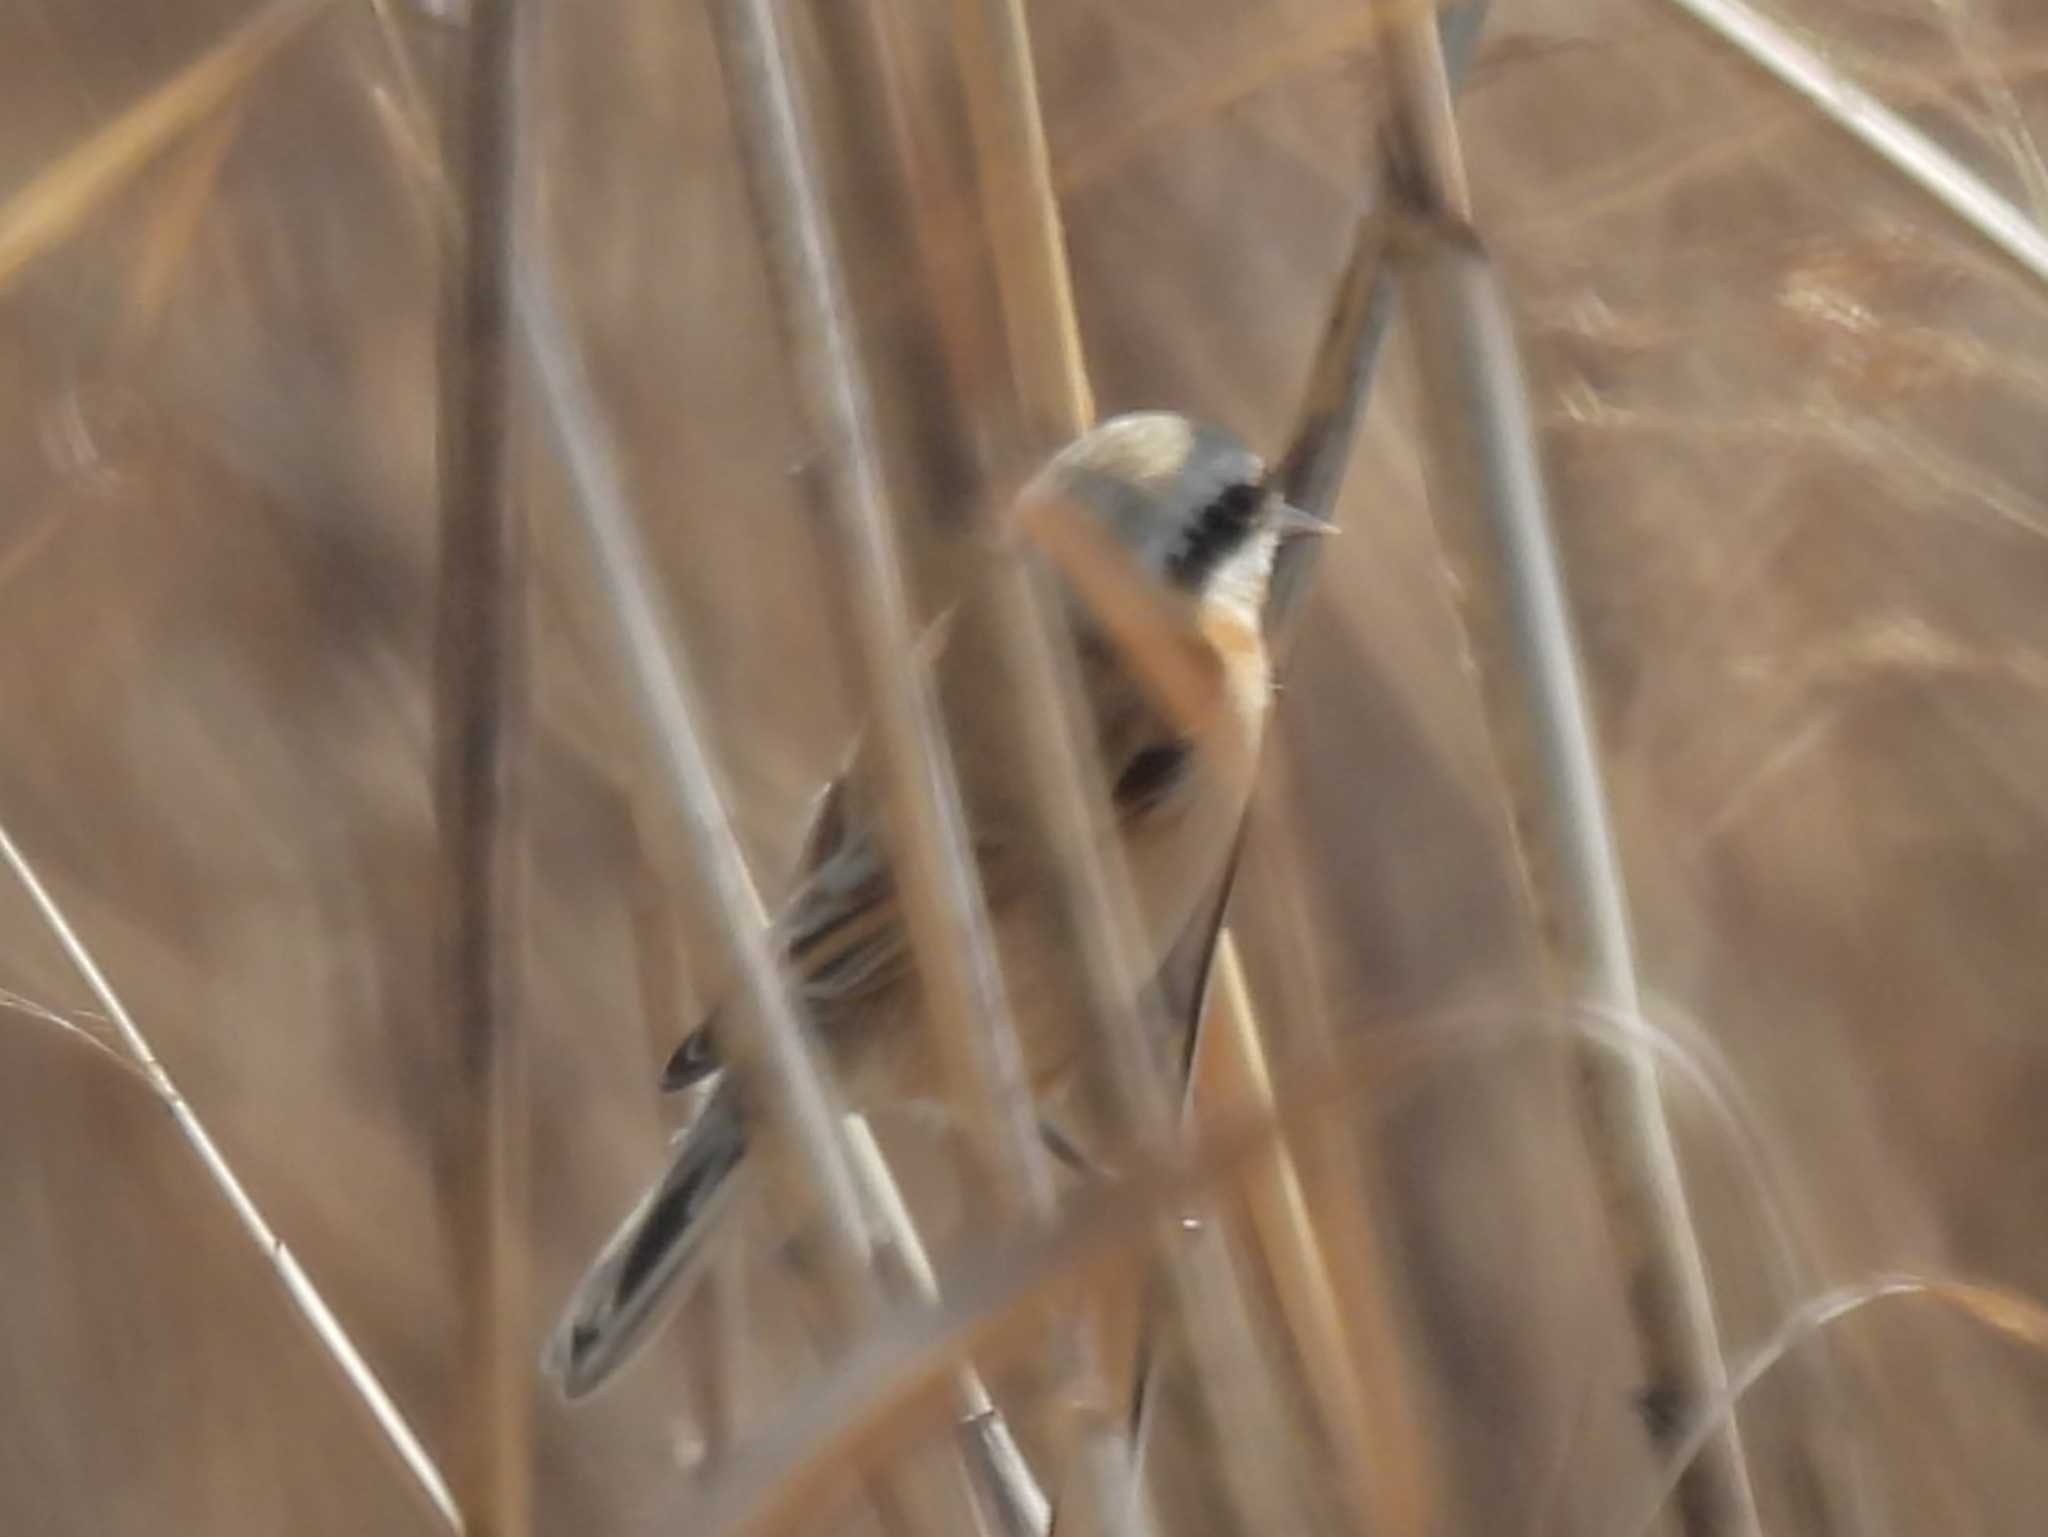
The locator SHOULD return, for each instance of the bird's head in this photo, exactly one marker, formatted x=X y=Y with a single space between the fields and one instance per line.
x=1188 y=502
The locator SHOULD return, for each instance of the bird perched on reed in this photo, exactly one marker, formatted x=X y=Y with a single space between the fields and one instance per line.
x=1185 y=509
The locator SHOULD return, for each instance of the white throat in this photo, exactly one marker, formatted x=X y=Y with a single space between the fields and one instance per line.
x=1238 y=585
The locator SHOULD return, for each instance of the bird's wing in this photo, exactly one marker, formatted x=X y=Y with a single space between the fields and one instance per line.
x=842 y=933
x=839 y=933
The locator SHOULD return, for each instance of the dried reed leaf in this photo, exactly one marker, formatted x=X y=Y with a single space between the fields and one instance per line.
x=2013 y=1314
x=42 y=215
x=180 y=211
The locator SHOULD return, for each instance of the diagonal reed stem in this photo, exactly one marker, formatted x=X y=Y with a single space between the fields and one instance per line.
x=767 y=1044
x=931 y=851
x=304 y=1296
x=1493 y=521
x=1882 y=131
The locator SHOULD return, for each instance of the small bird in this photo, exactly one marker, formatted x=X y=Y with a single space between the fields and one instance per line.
x=1189 y=508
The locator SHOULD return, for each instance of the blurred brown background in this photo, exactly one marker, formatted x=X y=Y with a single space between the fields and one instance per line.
x=1793 y=420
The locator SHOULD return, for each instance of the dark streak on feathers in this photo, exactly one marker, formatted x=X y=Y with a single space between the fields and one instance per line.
x=1220 y=527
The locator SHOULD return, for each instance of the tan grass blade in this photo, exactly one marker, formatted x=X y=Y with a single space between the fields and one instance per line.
x=50 y=209
x=180 y=211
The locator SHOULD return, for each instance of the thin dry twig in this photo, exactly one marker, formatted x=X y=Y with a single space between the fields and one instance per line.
x=1887 y=135
x=1895 y=451
x=28 y=1008
x=299 y=1289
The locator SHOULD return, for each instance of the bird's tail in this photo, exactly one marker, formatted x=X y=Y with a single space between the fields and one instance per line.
x=654 y=1257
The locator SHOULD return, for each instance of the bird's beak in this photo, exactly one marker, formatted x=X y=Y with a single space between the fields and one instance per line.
x=1294 y=522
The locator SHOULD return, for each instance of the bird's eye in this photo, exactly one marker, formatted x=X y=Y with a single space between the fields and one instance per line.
x=1238 y=503
x=1219 y=528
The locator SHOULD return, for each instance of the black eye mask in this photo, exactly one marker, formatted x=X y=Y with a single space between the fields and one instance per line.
x=1221 y=526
